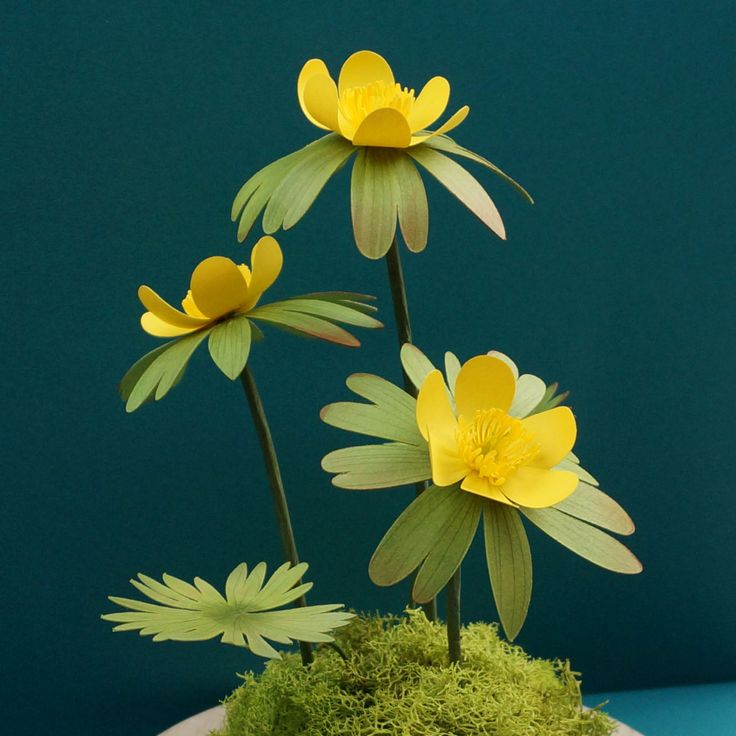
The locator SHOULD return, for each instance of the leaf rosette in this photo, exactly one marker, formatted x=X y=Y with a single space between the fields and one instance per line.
x=243 y=617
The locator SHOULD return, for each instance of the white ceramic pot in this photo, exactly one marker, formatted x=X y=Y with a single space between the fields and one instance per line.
x=203 y=723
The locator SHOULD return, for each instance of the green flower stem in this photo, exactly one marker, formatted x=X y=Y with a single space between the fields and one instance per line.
x=453 y=617
x=277 y=485
x=401 y=305
x=403 y=327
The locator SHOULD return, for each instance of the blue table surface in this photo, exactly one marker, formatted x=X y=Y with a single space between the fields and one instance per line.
x=699 y=710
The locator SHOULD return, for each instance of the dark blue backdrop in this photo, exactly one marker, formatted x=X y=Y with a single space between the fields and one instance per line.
x=130 y=126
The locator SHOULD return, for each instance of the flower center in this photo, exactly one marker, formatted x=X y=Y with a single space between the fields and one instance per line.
x=356 y=103
x=495 y=444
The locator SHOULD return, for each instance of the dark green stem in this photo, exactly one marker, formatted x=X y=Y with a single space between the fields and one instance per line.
x=403 y=328
x=453 y=617
x=277 y=485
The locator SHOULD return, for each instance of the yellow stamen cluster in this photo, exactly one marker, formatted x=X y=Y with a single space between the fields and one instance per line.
x=495 y=444
x=356 y=103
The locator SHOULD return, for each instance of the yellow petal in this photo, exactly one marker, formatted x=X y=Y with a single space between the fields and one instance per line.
x=430 y=103
x=453 y=122
x=482 y=487
x=218 y=287
x=386 y=128
x=537 y=488
x=555 y=430
x=447 y=465
x=362 y=68
x=266 y=261
x=246 y=272
x=320 y=100
x=505 y=358
x=190 y=307
x=155 y=326
x=312 y=67
x=484 y=382
x=165 y=312
x=345 y=127
x=433 y=406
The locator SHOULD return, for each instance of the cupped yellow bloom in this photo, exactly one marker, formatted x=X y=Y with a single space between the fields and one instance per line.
x=218 y=288
x=368 y=107
x=478 y=444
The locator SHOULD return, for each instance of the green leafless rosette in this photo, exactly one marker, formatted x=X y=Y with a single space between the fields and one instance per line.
x=245 y=616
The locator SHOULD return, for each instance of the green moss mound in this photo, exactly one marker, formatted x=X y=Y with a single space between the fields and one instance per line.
x=397 y=681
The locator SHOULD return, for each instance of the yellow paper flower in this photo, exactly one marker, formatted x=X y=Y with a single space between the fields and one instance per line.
x=382 y=126
x=218 y=288
x=368 y=107
x=490 y=453
x=222 y=307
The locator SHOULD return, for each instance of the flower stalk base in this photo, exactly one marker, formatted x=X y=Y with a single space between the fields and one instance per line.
x=453 y=617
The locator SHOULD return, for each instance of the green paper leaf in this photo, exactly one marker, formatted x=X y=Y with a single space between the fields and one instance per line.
x=185 y=612
x=509 y=563
x=411 y=198
x=462 y=184
x=156 y=377
x=413 y=535
x=348 y=298
x=331 y=310
x=369 y=420
x=594 y=506
x=392 y=416
x=304 y=324
x=378 y=466
x=416 y=364
x=372 y=200
x=255 y=193
x=450 y=547
x=584 y=540
x=452 y=368
x=448 y=145
x=229 y=346
x=387 y=396
x=134 y=373
x=303 y=182
x=573 y=465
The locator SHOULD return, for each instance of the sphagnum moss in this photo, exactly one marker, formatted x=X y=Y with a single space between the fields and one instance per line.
x=397 y=681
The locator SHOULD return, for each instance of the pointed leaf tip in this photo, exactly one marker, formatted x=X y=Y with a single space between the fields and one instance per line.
x=183 y=612
x=463 y=185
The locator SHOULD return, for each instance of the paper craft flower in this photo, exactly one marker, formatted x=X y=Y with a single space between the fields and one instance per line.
x=496 y=445
x=371 y=115
x=368 y=107
x=221 y=305
x=219 y=289
x=489 y=452
x=243 y=617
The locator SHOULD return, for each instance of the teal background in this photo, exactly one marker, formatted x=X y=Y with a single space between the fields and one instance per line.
x=129 y=127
